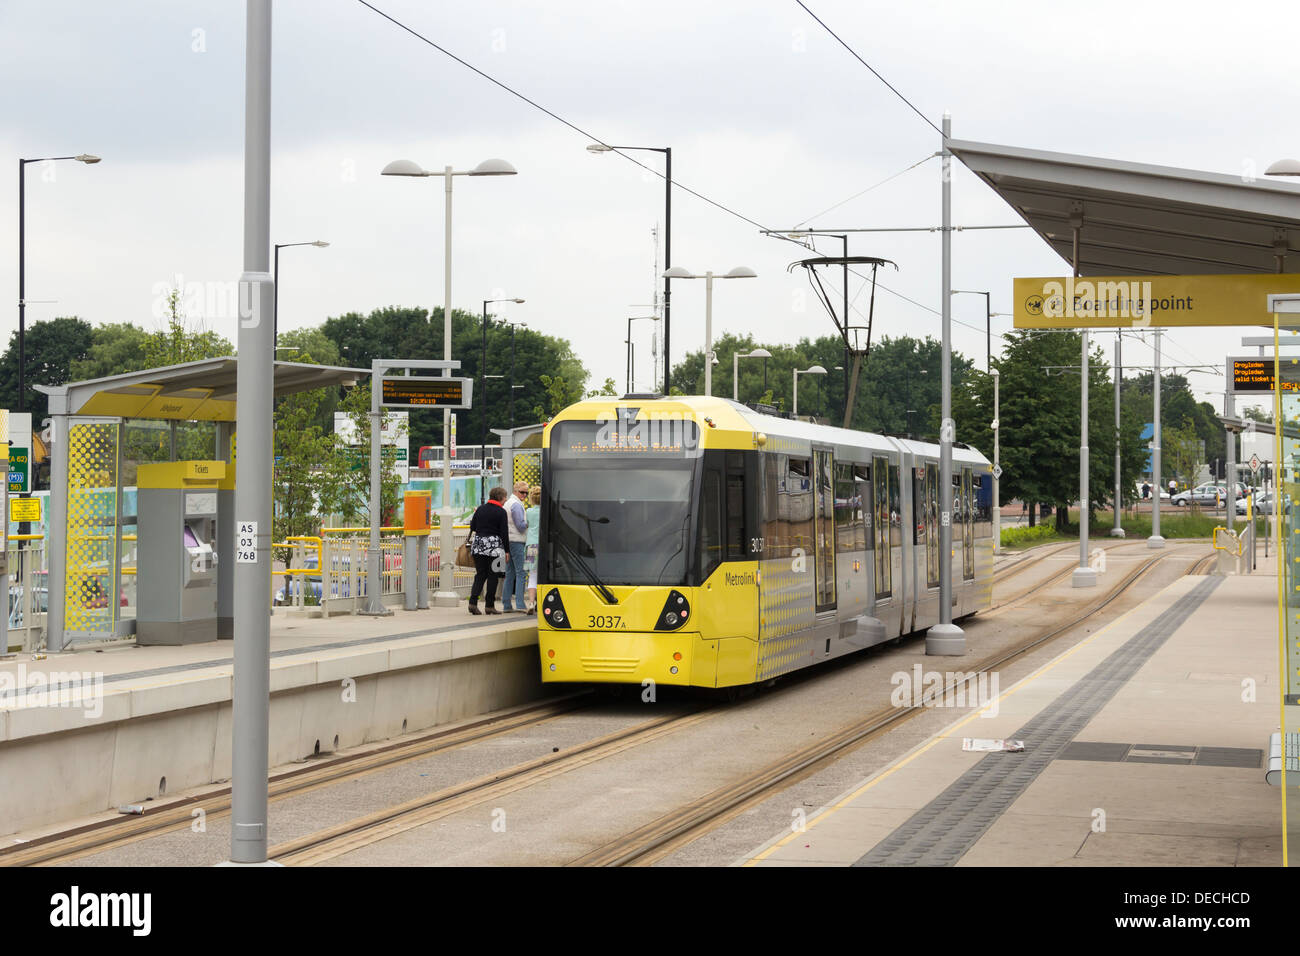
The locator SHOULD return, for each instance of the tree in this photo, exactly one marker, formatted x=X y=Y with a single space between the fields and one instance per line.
x=1256 y=413
x=115 y=349
x=559 y=396
x=345 y=475
x=398 y=332
x=302 y=455
x=1177 y=405
x=178 y=343
x=608 y=389
x=901 y=374
x=1182 y=448
x=50 y=350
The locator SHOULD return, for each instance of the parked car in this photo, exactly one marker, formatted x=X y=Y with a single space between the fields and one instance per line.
x=1208 y=494
x=42 y=596
x=1263 y=503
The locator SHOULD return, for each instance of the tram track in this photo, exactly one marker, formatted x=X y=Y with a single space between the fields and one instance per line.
x=645 y=845
x=68 y=845
x=670 y=832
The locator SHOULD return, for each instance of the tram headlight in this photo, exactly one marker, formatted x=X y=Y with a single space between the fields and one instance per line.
x=553 y=612
x=675 y=612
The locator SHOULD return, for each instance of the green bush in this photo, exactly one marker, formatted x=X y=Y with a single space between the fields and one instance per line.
x=1016 y=537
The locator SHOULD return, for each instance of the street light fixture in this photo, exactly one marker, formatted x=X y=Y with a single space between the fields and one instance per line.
x=483 y=377
x=677 y=272
x=446 y=595
x=89 y=160
x=275 y=275
x=1284 y=167
x=735 y=368
x=815 y=370
x=599 y=148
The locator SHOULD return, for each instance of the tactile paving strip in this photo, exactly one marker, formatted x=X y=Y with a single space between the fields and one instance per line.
x=940 y=833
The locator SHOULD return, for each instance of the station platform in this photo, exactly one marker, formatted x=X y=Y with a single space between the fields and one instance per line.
x=1143 y=746
x=94 y=729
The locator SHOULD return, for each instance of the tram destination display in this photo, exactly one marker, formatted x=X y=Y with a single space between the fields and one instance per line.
x=422 y=391
x=1255 y=374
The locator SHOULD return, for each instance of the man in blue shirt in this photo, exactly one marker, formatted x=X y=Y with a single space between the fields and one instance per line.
x=517 y=522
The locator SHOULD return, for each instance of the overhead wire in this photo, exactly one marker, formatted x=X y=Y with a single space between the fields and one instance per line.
x=654 y=172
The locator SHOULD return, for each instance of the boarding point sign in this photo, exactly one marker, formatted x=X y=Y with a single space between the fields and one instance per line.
x=1109 y=302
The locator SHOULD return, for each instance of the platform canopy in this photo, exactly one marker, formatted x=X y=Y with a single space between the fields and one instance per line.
x=1139 y=219
x=195 y=391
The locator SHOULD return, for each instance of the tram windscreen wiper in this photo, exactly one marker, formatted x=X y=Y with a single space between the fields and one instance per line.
x=578 y=559
x=581 y=562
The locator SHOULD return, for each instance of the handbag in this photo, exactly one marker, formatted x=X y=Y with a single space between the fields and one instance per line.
x=464 y=559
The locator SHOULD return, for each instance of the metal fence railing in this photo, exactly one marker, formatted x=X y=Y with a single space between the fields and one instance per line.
x=28 y=592
x=329 y=571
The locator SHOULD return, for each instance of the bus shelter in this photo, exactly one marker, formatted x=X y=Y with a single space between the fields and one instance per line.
x=101 y=431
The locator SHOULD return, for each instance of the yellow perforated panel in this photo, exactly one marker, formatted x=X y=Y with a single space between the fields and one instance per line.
x=89 y=604
x=528 y=467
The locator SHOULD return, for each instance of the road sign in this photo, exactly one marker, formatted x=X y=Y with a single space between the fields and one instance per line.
x=24 y=509
x=19 y=433
x=423 y=391
x=1254 y=462
x=997 y=471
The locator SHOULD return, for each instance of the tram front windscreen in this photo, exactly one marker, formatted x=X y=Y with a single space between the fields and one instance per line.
x=618 y=505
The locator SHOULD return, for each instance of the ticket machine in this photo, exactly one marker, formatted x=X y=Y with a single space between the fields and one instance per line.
x=176 y=553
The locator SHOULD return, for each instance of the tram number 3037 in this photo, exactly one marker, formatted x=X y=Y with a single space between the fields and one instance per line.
x=609 y=622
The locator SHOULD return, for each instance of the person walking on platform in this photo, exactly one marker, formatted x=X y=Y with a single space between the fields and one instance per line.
x=517 y=525
x=488 y=537
x=534 y=518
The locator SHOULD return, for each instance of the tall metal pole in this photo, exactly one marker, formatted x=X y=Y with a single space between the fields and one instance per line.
x=946 y=638
x=1155 y=540
x=668 y=258
x=22 y=287
x=997 y=466
x=629 y=354
x=374 y=556
x=275 y=281
x=1118 y=530
x=1083 y=576
x=446 y=594
x=512 y=389
x=250 y=705
x=988 y=332
x=482 y=377
x=708 y=333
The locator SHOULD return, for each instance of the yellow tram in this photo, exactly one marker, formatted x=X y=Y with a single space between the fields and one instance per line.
x=695 y=541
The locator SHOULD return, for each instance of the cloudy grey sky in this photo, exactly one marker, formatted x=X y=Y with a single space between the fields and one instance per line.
x=765 y=113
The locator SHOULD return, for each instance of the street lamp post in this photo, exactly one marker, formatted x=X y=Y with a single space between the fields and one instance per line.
x=513 y=386
x=735 y=369
x=997 y=466
x=668 y=236
x=815 y=370
x=988 y=328
x=483 y=377
x=89 y=160
x=446 y=595
x=275 y=272
x=631 y=350
x=677 y=272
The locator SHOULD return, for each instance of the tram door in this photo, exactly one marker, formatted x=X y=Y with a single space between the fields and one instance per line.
x=824 y=529
x=968 y=527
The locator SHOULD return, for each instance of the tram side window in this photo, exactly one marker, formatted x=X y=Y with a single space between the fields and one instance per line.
x=800 y=500
x=983 y=492
x=849 y=534
x=881 y=475
x=866 y=526
x=958 y=520
x=736 y=550
x=895 y=508
x=918 y=506
x=710 y=522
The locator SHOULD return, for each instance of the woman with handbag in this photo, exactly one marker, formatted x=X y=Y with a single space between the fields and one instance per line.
x=488 y=534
